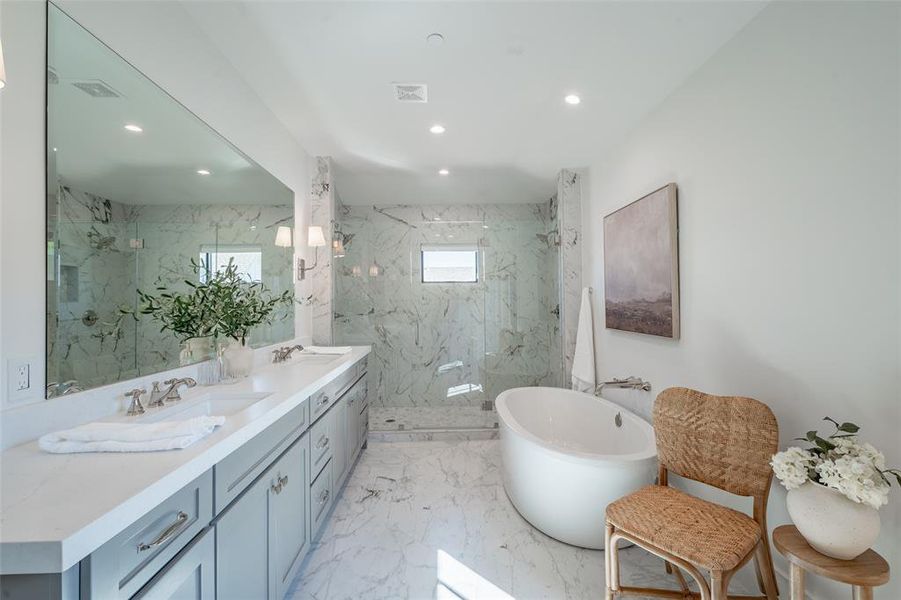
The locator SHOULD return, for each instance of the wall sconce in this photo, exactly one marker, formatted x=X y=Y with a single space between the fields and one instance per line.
x=2 y=69
x=338 y=248
x=283 y=237
x=315 y=239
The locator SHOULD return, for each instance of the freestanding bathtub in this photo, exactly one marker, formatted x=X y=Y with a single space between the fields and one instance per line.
x=565 y=458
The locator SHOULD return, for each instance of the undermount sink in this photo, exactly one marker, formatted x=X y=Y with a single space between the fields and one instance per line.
x=210 y=404
x=314 y=359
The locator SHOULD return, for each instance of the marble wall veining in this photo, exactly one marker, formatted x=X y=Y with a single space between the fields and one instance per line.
x=322 y=214
x=569 y=196
x=448 y=344
x=173 y=235
x=92 y=278
x=106 y=250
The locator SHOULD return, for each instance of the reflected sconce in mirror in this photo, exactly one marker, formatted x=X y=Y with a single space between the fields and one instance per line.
x=338 y=248
x=283 y=237
x=315 y=239
x=2 y=69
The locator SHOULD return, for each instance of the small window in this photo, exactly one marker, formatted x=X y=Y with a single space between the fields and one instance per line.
x=248 y=259
x=450 y=264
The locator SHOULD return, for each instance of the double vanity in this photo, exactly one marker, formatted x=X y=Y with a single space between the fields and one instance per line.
x=232 y=516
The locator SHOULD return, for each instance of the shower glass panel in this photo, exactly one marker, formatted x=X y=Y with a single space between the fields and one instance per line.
x=458 y=303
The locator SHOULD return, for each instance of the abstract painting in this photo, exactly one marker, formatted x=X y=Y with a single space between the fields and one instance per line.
x=641 y=265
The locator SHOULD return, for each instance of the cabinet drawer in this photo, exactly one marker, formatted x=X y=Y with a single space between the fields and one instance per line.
x=121 y=566
x=324 y=398
x=321 y=493
x=236 y=471
x=321 y=442
x=188 y=576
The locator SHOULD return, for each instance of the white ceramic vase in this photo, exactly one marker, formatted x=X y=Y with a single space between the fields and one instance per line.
x=831 y=523
x=237 y=359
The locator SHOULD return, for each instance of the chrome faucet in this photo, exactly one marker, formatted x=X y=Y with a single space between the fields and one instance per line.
x=171 y=394
x=631 y=382
x=135 y=408
x=282 y=354
x=54 y=388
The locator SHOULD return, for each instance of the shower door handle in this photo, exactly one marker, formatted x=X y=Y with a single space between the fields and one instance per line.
x=417 y=333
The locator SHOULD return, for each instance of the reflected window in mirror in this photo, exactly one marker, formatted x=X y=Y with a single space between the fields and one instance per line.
x=248 y=259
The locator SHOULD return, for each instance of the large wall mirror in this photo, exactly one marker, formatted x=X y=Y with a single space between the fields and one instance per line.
x=138 y=187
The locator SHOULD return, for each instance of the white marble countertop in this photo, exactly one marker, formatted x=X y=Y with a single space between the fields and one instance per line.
x=55 y=509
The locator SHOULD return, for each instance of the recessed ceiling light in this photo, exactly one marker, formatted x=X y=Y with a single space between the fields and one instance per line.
x=55 y=149
x=202 y=172
x=434 y=39
x=437 y=129
x=572 y=99
x=443 y=172
x=133 y=128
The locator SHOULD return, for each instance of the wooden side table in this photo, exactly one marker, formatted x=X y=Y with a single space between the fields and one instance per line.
x=863 y=573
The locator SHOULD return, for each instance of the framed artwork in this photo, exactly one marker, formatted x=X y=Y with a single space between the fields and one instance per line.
x=641 y=265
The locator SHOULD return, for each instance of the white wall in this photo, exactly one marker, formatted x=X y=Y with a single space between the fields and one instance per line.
x=161 y=40
x=785 y=148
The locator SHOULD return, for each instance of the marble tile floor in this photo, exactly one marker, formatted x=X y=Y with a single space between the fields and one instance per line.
x=426 y=520
x=405 y=418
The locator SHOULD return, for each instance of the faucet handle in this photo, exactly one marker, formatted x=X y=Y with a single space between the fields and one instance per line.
x=136 y=408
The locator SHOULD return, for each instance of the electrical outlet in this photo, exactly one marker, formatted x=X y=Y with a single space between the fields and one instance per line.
x=24 y=379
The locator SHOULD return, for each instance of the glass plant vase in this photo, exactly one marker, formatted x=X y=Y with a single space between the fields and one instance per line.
x=237 y=359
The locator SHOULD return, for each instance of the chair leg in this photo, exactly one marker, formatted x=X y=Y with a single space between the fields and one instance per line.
x=769 y=563
x=764 y=564
x=608 y=562
x=719 y=586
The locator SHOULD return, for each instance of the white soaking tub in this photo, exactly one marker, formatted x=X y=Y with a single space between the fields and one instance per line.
x=565 y=459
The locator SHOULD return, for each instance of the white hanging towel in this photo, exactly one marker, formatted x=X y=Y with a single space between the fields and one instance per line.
x=583 y=375
x=130 y=437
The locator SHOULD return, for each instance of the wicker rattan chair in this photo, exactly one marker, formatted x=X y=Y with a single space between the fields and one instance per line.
x=722 y=441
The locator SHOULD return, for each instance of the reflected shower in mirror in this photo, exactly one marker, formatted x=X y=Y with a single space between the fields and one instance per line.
x=138 y=189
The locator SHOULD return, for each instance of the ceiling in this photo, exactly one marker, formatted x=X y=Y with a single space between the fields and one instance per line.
x=95 y=153
x=496 y=83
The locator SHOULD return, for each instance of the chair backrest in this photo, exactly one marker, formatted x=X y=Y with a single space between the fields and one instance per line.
x=724 y=441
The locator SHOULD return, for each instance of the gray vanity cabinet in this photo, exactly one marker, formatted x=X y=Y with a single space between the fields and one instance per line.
x=189 y=576
x=261 y=538
x=340 y=456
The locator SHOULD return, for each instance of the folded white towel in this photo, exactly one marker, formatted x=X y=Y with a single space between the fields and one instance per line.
x=327 y=349
x=583 y=374
x=130 y=437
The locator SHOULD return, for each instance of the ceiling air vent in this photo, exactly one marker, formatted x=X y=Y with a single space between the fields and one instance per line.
x=411 y=92
x=96 y=88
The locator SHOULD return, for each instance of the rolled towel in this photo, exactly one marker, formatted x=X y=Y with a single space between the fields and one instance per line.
x=130 y=437
x=327 y=349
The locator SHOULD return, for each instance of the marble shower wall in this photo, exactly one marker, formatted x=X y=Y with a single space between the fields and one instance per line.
x=174 y=235
x=439 y=345
x=569 y=196
x=99 y=271
x=94 y=276
x=322 y=214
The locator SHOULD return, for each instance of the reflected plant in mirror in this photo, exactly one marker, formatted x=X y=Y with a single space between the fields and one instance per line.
x=225 y=305
x=138 y=187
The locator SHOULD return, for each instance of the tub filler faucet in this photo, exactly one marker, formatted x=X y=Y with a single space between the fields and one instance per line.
x=631 y=383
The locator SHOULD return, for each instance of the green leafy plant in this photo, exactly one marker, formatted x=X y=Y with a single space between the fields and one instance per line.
x=223 y=304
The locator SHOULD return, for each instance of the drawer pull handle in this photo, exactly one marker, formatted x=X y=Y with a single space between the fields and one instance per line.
x=280 y=484
x=324 y=496
x=168 y=533
x=322 y=443
x=322 y=401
